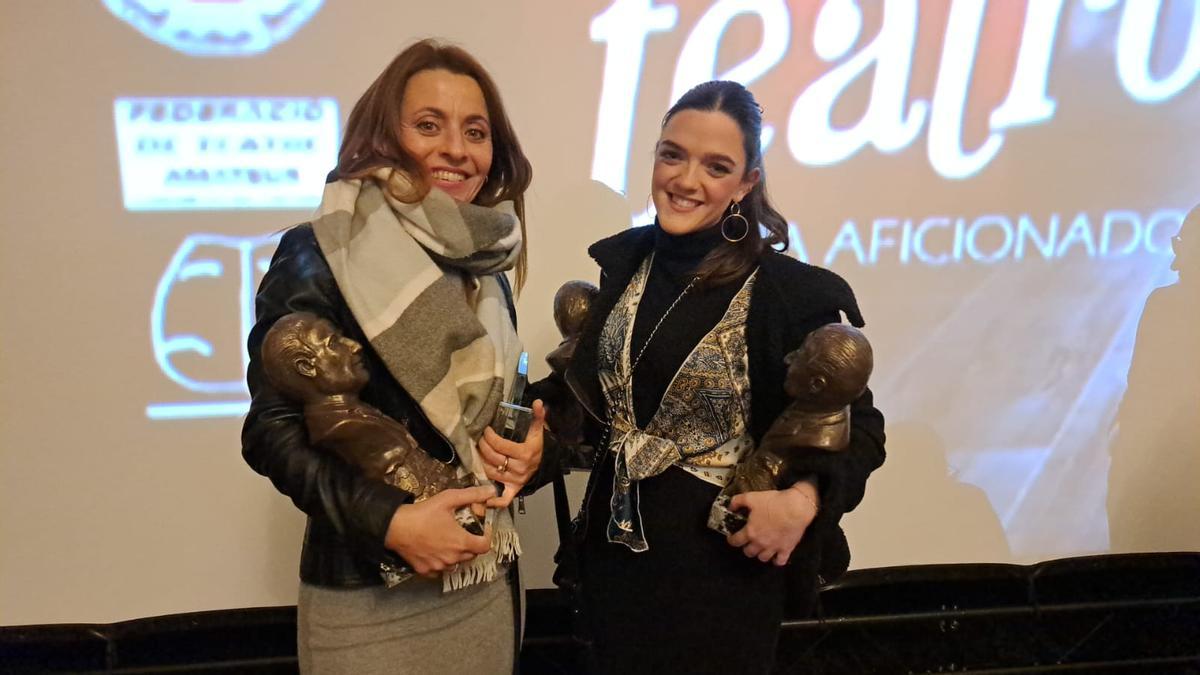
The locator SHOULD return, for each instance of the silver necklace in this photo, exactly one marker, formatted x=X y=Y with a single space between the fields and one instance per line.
x=642 y=351
x=606 y=433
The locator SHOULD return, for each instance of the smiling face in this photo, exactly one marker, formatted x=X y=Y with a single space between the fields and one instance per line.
x=699 y=169
x=444 y=125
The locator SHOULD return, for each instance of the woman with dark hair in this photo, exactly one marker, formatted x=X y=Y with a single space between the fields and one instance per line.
x=681 y=366
x=416 y=229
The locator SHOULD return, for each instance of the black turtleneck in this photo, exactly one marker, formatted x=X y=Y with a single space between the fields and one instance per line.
x=675 y=261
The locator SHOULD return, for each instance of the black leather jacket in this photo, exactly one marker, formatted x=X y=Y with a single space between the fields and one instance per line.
x=348 y=514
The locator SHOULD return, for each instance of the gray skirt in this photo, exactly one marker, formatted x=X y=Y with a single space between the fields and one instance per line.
x=412 y=628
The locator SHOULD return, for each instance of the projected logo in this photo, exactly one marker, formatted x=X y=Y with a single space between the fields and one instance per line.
x=216 y=27
x=208 y=274
x=217 y=153
x=225 y=153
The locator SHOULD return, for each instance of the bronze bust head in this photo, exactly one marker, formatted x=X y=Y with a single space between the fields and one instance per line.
x=309 y=360
x=830 y=369
x=564 y=415
x=571 y=305
x=824 y=376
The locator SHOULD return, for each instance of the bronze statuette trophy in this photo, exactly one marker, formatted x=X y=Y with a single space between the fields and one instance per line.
x=825 y=375
x=310 y=361
x=571 y=304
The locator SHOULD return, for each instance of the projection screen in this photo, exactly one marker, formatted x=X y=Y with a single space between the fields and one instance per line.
x=999 y=181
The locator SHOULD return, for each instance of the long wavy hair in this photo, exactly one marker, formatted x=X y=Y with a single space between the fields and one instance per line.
x=372 y=139
x=733 y=260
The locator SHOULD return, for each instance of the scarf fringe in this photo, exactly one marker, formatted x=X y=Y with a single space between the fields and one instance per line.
x=506 y=548
x=484 y=568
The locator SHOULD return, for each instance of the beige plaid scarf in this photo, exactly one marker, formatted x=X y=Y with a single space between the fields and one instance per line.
x=420 y=280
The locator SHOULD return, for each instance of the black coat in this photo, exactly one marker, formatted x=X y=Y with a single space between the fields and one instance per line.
x=790 y=299
x=348 y=514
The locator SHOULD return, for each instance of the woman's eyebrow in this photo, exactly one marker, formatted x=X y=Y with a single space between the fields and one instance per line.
x=710 y=157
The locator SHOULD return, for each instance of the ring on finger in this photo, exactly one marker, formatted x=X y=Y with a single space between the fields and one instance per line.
x=503 y=467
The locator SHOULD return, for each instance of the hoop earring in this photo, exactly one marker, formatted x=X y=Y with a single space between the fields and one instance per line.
x=735 y=211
